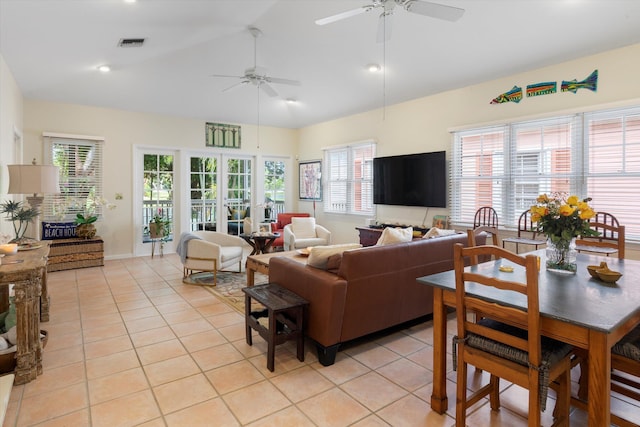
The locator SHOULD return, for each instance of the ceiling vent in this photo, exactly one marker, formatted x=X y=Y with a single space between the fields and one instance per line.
x=131 y=42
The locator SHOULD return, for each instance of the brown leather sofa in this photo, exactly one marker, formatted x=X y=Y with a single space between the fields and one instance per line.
x=373 y=288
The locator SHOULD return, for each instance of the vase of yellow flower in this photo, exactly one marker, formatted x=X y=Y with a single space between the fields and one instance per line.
x=562 y=219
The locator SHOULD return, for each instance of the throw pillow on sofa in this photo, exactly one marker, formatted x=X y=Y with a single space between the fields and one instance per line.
x=303 y=228
x=437 y=232
x=319 y=255
x=392 y=235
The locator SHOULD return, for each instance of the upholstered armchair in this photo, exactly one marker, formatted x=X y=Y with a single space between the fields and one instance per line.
x=283 y=220
x=304 y=232
x=209 y=251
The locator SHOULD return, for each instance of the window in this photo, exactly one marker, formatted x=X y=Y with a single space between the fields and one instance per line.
x=203 y=176
x=158 y=191
x=349 y=181
x=80 y=161
x=274 y=189
x=593 y=155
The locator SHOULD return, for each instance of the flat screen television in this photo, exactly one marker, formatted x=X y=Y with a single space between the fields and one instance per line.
x=411 y=180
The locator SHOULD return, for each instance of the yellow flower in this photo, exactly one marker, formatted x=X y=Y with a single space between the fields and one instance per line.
x=587 y=213
x=543 y=198
x=566 y=210
x=573 y=201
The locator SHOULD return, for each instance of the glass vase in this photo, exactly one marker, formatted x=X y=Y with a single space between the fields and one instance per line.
x=561 y=256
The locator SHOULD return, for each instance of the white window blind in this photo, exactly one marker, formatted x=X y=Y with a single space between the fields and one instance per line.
x=612 y=172
x=80 y=161
x=507 y=167
x=349 y=180
x=593 y=155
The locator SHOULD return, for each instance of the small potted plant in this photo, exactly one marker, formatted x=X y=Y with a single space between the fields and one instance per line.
x=84 y=226
x=158 y=227
x=21 y=216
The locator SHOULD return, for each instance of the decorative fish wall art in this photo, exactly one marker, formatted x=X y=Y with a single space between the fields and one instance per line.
x=590 y=83
x=546 y=88
x=514 y=95
x=538 y=89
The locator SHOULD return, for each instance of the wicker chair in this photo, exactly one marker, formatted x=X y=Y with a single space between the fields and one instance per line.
x=494 y=345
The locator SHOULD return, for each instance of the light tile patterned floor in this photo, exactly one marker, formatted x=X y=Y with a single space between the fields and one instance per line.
x=131 y=345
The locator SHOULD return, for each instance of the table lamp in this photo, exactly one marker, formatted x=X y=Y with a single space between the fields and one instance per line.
x=36 y=180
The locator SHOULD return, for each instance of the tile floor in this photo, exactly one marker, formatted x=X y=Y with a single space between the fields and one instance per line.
x=131 y=345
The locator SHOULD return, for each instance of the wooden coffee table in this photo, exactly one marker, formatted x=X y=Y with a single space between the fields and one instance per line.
x=260 y=263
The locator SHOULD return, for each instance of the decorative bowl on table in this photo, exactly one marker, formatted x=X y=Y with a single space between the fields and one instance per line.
x=608 y=276
x=593 y=269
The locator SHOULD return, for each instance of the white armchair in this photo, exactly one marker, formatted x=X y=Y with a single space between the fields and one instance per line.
x=304 y=232
x=209 y=251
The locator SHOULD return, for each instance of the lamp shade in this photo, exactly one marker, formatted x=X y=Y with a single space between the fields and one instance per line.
x=33 y=179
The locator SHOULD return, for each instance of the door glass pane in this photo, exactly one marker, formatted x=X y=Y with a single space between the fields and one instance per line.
x=238 y=197
x=274 y=173
x=204 y=192
x=157 y=199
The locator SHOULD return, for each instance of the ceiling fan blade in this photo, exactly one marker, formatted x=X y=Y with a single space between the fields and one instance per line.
x=225 y=75
x=267 y=89
x=434 y=10
x=235 y=85
x=343 y=15
x=282 y=81
x=385 y=26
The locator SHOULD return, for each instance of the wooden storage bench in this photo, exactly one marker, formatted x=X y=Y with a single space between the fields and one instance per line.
x=67 y=254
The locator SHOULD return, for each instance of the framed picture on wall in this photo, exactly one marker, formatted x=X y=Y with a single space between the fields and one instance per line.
x=222 y=135
x=311 y=180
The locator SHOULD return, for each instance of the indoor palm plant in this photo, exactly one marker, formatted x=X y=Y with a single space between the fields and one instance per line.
x=21 y=215
x=562 y=219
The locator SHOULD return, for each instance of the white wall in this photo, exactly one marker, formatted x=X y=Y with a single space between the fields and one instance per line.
x=424 y=124
x=10 y=123
x=122 y=130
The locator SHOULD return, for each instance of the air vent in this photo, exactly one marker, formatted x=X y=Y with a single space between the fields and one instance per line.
x=131 y=42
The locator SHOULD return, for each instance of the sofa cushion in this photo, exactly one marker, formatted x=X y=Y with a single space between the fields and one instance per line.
x=303 y=228
x=437 y=232
x=392 y=235
x=319 y=255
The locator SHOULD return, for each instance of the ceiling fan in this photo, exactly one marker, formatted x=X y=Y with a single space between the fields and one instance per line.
x=433 y=10
x=258 y=75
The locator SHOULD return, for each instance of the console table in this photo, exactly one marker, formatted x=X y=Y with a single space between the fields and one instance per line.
x=27 y=270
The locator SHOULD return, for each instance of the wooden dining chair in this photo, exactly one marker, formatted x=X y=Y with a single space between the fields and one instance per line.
x=471 y=239
x=525 y=229
x=495 y=345
x=625 y=374
x=611 y=239
x=485 y=215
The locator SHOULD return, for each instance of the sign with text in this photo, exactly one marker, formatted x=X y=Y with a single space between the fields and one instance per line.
x=58 y=230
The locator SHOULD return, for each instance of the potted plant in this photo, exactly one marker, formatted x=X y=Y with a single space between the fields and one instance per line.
x=158 y=227
x=84 y=226
x=21 y=216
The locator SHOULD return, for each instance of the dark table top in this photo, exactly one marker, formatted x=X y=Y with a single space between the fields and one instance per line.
x=573 y=298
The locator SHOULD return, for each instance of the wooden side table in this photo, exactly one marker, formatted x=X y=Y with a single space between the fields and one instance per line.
x=261 y=243
x=285 y=311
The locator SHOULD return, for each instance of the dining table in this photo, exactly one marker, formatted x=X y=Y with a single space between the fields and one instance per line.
x=578 y=309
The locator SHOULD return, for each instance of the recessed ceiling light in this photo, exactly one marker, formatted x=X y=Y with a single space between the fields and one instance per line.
x=129 y=1
x=373 y=68
x=291 y=101
x=104 y=68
